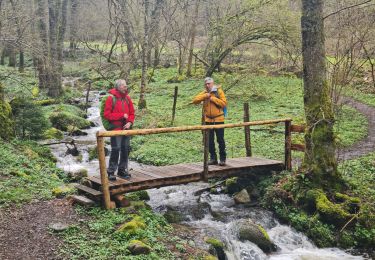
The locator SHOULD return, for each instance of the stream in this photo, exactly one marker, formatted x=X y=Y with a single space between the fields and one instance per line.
x=199 y=210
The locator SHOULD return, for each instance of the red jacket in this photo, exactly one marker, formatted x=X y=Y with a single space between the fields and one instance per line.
x=116 y=116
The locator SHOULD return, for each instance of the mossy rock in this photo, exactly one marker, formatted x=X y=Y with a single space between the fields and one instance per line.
x=137 y=247
x=232 y=185
x=209 y=257
x=133 y=226
x=78 y=174
x=53 y=133
x=329 y=211
x=216 y=247
x=138 y=195
x=248 y=230
x=64 y=120
x=62 y=191
x=214 y=242
x=174 y=216
x=45 y=102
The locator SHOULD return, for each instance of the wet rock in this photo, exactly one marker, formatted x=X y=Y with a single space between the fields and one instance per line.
x=174 y=216
x=77 y=174
x=216 y=248
x=255 y=193
x=242 y=197
x=200 y=210
x=137 y=247
x=232 y=185
x=74 y=131
x=248 y=230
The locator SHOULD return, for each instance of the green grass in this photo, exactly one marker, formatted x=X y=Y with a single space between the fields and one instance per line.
x=97 y=238
x=366 y=98
x=269 y=98
x=27 y=172
x=360 y=173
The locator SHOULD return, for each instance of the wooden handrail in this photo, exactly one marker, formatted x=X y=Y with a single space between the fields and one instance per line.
x=187 y=128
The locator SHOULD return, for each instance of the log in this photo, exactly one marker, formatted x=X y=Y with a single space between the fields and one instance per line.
x=186 y=128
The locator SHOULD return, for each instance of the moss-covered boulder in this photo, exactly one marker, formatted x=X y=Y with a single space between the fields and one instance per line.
x=53 y=133
x=77 y=174
x=62 y=191
x=216 y=248
x=64 y=120
x=137 y=247
x=248 y=230
x=242 y=197
x=232 y=185
x=133 y=226
x=334 y=213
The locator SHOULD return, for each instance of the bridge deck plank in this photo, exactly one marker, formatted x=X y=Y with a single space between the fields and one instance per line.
x=159 y=176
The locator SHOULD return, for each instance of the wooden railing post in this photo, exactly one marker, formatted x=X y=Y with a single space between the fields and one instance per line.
x=246 y=118
x=103 y=173
x=174 y=103
x=204 y=176
x=288 y=145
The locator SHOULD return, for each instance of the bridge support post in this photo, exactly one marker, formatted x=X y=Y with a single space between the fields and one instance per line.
x=103 y=173
x=288 y=145
x=246 y=118
x=204 y=176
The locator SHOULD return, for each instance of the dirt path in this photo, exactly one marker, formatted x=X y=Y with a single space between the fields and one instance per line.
x=25 y=232
x=366 y=145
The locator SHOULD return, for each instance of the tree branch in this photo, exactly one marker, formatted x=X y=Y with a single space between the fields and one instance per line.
x=345 y=8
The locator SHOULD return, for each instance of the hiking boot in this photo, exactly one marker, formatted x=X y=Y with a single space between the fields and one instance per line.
x=222 y=163
x=111 y=176
x=123 y=173
x=212 y=162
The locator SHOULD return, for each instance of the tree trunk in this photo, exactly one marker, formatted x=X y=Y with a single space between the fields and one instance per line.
x=12 y=57
x=21 y=66
x=3 y=54
x=42 y=60
x=192 y=38
x=73 y=27
x=320 y=155
x=145 y=46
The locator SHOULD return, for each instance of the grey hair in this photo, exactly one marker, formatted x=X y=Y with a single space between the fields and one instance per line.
x=208 y=80
x=120 y=82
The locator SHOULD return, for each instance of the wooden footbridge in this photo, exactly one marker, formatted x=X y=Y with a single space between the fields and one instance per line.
x=148 y=177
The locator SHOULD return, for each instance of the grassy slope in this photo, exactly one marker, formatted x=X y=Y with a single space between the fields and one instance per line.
x=268 y=97
x=27 y=172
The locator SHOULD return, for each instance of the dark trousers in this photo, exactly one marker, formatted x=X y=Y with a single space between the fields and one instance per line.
x=120 y=146
x=220 y=140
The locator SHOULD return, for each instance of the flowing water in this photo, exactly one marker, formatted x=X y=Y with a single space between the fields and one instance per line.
x=213 y=215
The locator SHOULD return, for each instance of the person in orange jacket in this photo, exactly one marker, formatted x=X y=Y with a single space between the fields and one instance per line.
x=214 y=101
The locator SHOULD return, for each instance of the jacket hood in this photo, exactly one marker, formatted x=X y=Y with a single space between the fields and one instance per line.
x=117 y=93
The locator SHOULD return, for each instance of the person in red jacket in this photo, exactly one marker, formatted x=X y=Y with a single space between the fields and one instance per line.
x=120 y=114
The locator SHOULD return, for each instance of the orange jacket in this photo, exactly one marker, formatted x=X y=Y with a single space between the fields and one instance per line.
x=213 y=107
